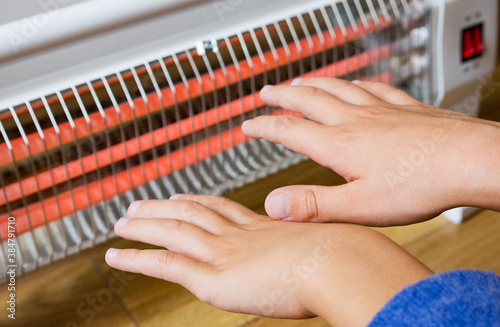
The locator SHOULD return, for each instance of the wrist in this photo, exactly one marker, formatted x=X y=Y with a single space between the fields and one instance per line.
x=484 y=190
x=356 y=283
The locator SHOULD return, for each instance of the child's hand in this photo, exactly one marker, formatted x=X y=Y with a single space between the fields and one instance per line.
x=239 y=261
x=404 y=161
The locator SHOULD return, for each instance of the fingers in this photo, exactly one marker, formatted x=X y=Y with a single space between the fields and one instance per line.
x=231 y=210
x=312 y=102
x=350 y=202
x=188 y=211
x=299 y=135
x=389 y=93
x=163 y=264
x=341 y=89
x=175 y=235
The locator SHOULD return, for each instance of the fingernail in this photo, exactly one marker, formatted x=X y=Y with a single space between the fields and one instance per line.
x=135 y=206
x=245 y=123
x=279 y=206
x=356 y=82
x=266 y=89
x=112 y=253
x=297 y=81
x=121 y=222
x=176 y=196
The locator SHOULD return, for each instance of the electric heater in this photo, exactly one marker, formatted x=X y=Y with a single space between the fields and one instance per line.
x=107 y=102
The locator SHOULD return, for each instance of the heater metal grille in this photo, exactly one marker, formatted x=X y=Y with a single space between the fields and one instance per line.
x=72 y=161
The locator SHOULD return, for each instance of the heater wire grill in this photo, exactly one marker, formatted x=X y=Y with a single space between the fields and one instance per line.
x=72 y=161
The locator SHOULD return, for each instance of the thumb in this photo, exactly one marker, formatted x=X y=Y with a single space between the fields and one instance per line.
x=344 y=203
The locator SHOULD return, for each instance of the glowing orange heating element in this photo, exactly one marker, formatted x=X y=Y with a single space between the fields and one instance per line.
x=82 y=197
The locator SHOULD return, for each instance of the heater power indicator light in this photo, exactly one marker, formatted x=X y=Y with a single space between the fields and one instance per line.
x=472 y=43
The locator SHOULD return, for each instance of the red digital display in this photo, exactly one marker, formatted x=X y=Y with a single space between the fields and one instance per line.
x=472 y=42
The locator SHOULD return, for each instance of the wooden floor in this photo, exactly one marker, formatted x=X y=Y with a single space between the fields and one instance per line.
x=84 y=291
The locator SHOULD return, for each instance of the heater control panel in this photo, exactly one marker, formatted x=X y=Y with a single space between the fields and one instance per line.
x=465 y=38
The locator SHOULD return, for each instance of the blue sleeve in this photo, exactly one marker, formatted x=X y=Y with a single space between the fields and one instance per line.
x=459 y=298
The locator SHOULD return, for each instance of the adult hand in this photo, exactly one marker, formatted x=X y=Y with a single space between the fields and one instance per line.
x=404 y=161
x=239 y=261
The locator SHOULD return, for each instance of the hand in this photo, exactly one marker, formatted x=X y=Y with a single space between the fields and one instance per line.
x=239 y=261
x=404 y=161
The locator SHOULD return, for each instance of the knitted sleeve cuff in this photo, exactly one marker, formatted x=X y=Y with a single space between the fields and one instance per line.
x=459 y=298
